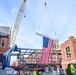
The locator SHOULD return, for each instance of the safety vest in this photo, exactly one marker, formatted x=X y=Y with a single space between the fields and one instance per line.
x=34 y=73
x=71 y=68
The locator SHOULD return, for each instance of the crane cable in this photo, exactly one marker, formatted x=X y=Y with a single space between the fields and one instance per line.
x=40 y=20
x=49 y=18
x=51 y=22
x=42 y=15
x=45 y=4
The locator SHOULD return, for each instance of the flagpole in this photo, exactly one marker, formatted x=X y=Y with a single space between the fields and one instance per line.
x=45 y=36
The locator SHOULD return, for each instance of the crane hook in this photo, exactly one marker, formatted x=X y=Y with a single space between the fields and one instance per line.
x=45 y=4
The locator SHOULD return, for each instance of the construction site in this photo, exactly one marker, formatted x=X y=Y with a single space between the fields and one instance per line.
x=16 y=60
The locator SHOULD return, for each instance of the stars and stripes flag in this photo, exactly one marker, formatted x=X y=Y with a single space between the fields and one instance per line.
x=47 y=46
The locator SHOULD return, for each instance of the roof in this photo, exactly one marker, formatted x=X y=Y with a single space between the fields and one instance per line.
x=4 y=31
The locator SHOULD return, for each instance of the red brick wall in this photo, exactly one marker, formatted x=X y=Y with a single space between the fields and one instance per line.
x=4 y=49
x=71 y=42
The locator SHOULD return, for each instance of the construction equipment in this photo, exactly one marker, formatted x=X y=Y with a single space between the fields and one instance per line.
x=6 y=69
x=17 y=23
x=6 y=57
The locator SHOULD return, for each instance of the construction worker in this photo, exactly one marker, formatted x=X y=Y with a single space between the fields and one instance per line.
x=34 y=72
x=40 y=73
x=61 y=70
x=72 y=69
x=54 y=72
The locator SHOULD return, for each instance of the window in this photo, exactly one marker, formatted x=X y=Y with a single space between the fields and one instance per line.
x=68 y=53
x=1 y=57
x=3 y=42
x=54 y=45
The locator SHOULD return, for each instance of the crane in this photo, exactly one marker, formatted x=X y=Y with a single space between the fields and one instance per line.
x=17 y=23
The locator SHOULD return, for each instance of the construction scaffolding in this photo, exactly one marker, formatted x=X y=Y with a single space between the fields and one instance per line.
x=31 y=58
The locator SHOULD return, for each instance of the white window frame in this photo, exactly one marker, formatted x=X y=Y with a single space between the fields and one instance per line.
x=67 y=52
x=54 y=45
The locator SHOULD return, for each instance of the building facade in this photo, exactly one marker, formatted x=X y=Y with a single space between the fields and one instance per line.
x=68 y=50
x=4 y=39
x=35 y=56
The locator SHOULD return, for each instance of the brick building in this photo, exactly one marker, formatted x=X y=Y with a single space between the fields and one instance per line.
x=35 y=56
x=68 y=50
x=4 y=39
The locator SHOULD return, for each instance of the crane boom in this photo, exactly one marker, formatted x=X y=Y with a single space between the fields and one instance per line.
x=17 y=22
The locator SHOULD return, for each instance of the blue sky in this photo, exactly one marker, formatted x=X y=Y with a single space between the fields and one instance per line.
x=62 y=14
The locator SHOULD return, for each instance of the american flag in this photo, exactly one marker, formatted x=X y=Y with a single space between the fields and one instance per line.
x=47 y=45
